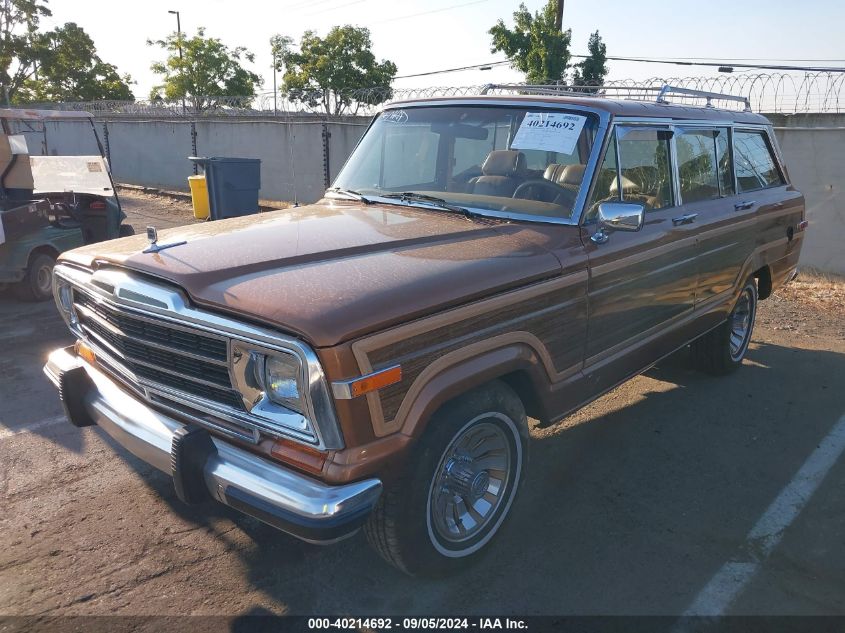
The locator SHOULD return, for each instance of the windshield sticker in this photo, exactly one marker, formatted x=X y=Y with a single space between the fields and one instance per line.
x=395 y=116
x=549 y=131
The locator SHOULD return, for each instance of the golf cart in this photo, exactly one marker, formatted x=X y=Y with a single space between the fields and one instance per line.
x=50 y=203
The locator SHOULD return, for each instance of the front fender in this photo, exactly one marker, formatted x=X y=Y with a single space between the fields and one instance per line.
x=461 y=370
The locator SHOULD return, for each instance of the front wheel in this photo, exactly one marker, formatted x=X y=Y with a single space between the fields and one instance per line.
x=721 y=351
x=460 y=486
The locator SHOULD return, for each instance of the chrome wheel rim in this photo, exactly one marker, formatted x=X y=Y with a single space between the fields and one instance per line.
x=471 y=484
x=742 y=319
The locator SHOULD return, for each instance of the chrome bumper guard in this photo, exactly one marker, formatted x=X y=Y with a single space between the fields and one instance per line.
x=301 y=506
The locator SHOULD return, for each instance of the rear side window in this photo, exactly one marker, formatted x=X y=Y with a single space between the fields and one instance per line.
x=756 y=167
x=704 y=164
x=644 y=163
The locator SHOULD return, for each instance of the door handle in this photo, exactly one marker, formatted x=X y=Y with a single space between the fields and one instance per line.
x=743 y=206
x=689 y=218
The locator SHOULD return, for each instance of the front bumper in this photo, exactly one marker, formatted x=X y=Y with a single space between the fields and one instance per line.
x=293 y=503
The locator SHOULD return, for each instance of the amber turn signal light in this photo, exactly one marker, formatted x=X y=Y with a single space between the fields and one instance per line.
x=85 y=353
x=375 y=381
x=296 y=454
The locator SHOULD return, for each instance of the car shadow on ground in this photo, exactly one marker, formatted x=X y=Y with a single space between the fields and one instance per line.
x=627 y=509
x=28 y=333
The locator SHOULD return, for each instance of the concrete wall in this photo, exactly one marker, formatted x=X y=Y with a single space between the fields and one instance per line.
x=154 y=153
x=813 y=146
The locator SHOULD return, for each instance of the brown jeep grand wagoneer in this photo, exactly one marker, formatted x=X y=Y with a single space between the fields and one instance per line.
x=370 y=360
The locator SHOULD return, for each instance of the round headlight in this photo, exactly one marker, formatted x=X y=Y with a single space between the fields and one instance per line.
x=281 y=381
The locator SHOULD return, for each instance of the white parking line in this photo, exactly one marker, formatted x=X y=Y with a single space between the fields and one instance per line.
x=31 y=427
x=726 y=584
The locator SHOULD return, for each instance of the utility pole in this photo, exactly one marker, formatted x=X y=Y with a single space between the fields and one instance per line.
x=179 y=35
x=275 y=105
x=559 y=16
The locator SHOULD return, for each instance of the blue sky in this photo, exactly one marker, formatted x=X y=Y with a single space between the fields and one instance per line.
x=419 y=36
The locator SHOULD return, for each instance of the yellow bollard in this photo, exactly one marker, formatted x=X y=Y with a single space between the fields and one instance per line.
x=199 y=196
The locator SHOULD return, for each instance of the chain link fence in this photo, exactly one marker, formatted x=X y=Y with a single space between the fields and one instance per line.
x=774 y=93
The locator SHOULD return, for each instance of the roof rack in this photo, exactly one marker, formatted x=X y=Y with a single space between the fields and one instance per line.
x=701 y=94
x=638 y=93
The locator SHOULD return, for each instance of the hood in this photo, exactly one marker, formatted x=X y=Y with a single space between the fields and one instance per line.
x=336 y=270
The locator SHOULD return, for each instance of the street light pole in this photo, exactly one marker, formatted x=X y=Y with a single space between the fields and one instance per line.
x=179 y=35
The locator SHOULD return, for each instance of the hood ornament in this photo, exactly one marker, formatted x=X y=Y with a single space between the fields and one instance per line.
x=155 y=247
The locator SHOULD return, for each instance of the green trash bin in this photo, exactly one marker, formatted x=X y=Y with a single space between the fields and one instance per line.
x=233 y=185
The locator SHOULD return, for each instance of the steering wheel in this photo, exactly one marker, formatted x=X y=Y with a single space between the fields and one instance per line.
x=557 y=191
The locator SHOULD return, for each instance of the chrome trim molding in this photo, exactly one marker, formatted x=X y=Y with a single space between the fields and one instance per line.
x=148 y=434
x=158 y=302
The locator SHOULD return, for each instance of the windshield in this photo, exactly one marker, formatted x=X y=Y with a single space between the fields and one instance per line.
x=515 y=161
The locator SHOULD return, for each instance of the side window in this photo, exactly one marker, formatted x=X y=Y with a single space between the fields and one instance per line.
x=724 y=161
x=409 y=155
x=605 y=177
x=704 y=164
x=644 y=163
x=756 y=167
x=697 y=165
x=468 y=153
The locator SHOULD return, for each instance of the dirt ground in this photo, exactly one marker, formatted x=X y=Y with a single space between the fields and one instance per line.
x=147 y=209
x=144 y=208
x=631 y=505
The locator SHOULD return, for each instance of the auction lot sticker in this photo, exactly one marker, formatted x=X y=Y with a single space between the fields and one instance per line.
x=550 y=131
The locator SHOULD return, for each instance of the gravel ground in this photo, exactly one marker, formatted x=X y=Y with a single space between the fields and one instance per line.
x=631 y=506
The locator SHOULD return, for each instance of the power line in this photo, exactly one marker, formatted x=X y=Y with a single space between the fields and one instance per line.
x=338 y=6
x=414 y=15
x=454 y=70
x=308 y=4
x=679 y=62
x=672 y=61
x=742 y=59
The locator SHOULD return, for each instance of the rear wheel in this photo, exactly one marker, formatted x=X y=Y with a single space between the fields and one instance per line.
x=125 y=230
x=721 y=351
x=37 y=284
x=460 y=487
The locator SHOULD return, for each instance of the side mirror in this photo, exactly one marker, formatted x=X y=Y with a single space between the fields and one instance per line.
x=618 y=216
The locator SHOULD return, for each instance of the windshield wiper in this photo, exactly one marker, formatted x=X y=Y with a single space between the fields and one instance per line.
x=351 y=194
x=411 y=196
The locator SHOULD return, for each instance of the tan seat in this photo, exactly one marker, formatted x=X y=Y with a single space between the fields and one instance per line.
x=571 y=176
x=628 y=187
x=502 y=171
x=552 y=172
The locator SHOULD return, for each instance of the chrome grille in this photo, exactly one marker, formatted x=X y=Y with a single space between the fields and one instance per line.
x=177 y=357
x=156 y=334
x=160 y=353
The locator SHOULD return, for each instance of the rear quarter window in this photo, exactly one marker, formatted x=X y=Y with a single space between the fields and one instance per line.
x=756 y=167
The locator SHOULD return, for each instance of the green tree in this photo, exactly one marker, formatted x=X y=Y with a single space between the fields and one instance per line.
x=593 y=69
x=69 y=69
x=534 y=46
x=206 y=69
x=18 y=25
x=326 y=72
